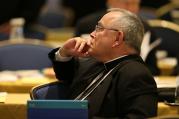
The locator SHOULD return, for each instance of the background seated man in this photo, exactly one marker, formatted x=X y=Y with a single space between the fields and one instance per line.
x=107 y=69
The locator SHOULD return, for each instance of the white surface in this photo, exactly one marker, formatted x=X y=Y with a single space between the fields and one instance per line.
x=20 y=74
x=167 y=83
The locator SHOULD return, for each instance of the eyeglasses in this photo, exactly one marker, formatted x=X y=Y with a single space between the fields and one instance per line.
x=100 y=28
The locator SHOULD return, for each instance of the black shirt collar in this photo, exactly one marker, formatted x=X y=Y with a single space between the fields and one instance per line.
x=112 y=63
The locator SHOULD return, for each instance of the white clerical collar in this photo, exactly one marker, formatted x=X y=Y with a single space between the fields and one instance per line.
x=115 y=59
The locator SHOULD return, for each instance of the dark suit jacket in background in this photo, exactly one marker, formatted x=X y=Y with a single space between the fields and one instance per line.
x=153 y=3
x=87 y=24
x=132 y=93
x=82 y=8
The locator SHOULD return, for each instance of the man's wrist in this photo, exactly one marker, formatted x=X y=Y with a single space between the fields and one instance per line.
x=62 y=58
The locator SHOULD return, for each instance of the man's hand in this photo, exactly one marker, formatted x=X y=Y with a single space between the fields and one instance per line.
x=75 y=47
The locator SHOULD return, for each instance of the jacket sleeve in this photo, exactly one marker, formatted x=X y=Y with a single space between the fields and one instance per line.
x=63 y=70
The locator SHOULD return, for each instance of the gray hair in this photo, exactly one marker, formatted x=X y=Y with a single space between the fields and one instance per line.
x=132 y=27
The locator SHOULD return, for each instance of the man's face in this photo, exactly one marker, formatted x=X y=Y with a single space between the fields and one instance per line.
x=103 y=37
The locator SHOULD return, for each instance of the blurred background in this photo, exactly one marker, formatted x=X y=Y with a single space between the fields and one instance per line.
x=29 y=29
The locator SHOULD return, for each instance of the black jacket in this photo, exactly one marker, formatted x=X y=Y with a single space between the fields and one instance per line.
x=132 y=93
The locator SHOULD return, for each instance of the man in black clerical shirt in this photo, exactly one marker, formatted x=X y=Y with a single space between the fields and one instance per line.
x=107 y=70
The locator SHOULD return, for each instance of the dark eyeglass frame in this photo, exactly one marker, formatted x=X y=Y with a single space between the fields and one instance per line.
x=100 y=28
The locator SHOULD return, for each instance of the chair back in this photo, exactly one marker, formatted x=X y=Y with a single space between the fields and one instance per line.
x=169 y=34
x=30 y=54
x=52 y=91
x=169 y=12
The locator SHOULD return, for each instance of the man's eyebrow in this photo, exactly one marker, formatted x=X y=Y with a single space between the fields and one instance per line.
x=99 y=24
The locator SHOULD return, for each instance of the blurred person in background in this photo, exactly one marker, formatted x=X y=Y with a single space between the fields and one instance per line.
x=86 y=25
x=81 y=8
x=27 y=9
x=53 y=15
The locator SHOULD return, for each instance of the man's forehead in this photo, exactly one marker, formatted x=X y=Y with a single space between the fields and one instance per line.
x=112 y=14
x=109 y=18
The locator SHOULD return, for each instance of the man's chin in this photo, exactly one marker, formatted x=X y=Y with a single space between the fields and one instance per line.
x=91 y=52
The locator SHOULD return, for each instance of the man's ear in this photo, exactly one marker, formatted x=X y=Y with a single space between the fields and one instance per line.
x=116 y=43
x=119 y=39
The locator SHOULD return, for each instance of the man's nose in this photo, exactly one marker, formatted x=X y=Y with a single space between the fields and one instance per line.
x=92 y=34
